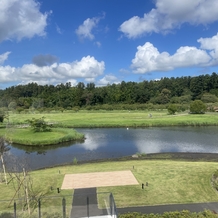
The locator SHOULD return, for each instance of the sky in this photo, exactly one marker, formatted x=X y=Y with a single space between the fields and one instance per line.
x=106 y=41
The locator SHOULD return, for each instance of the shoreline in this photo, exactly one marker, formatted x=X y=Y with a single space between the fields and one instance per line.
x=174 y=156
x=211 y=157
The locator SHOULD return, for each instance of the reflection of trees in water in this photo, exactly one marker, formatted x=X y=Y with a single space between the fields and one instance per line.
x=42 y=150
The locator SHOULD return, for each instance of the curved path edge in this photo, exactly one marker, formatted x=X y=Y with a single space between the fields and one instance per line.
x=160 y=209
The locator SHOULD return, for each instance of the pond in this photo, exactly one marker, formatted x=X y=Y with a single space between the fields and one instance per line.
x=102 y=143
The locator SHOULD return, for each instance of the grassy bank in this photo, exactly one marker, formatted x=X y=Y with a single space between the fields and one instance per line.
x=26 y=136
x=120 y=118
x=169 y=182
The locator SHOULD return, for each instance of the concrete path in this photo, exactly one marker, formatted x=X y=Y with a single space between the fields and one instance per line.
x=196 y=207
x=85 y=203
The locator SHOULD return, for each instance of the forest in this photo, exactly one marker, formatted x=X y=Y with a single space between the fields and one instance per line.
x=125 y=95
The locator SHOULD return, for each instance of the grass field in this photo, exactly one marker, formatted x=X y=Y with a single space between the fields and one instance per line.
x=119 y=118
x=26 y=136
x=169 y=182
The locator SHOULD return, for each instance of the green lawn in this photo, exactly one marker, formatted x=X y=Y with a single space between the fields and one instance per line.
x=119 y=118
x=169 y=182
x=26 y=136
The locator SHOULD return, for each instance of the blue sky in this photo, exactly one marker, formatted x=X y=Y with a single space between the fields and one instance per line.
x=106 y=41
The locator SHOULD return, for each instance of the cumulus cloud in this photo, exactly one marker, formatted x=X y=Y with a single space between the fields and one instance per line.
x=87 y=68
x=169 y=14
x=108 y=79
x=85 y=30
x=20 y=19
x=44 y=60
x=148 y=58
x=211 y=44
x=7 y=74
x=4 y=57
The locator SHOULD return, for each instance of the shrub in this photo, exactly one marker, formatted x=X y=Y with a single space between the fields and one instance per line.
x=39 y=125
x=172 y=109
x=197 y=107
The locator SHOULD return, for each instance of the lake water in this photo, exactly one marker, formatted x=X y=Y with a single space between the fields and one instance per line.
x=103 y=143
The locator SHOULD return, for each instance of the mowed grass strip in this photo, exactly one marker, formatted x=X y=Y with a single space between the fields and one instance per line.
x=119 y=118
x=169 y=182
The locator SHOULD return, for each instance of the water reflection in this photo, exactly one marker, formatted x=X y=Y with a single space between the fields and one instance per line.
x=101 y=143
x=43 y=149
x=94 y=140
x=179 y=139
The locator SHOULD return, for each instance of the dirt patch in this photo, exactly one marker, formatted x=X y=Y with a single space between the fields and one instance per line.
x=98 y=179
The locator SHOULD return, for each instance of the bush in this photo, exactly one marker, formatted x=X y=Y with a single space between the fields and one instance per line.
x=172 y=109
x=197 y=107
x=39 y=125
x=209 y=98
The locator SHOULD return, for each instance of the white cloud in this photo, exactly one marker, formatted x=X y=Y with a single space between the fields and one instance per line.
x=58 y=29
x=7 y=74
x=72 y=81
x=211 y=44
x=87 y=68
x=20 y=19
x=4 y=57
x=85 y=30
x=148 y=58
x=90 y=80
x=98 y=44
x=108 y=79
x=170 y=14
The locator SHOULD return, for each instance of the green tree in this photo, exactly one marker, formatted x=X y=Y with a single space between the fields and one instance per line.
x=172 y=109
x=39 y=125
x=2 y=115
x=197 y=107
x=12 y=105
x=197 y=87
x=209 y=98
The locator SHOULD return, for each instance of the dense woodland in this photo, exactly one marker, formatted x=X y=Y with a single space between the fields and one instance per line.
x=179 y=90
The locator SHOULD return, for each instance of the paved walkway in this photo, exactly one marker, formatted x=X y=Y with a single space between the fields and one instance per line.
x=85 y=204
x=88 y=196
x=196 y=207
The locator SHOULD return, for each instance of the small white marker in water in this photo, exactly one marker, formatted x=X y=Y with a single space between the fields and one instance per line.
x=127 y=128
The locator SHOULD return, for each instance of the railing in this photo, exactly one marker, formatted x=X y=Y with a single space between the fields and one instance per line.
x=75 y=206
x=55 y=206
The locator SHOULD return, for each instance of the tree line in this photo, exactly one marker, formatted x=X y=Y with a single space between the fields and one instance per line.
x=179 y=90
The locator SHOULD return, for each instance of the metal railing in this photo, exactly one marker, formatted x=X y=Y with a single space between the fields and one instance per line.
x=54 y=206
x=75 y=206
